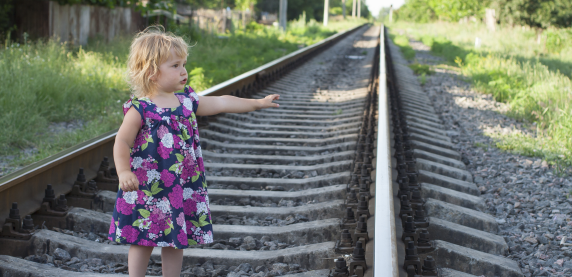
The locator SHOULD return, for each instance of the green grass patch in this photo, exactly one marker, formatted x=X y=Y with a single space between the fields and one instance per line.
x=537 y=91
x=422 y=79
x=403 y=43
x=420 y=69
x=45 y=82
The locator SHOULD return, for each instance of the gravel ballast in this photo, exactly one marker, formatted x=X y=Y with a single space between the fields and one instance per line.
x=527 y=198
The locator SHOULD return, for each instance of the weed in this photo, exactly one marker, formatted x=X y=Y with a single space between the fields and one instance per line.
x=481 y=145
x=420 y=69
x=422 y=79
x=403 y=43
x=338 y=112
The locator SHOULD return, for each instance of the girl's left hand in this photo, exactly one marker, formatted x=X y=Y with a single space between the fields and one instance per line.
x=267 y=101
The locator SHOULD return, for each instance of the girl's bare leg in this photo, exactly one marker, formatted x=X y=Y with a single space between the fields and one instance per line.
x=138 y=260
x=172 y=260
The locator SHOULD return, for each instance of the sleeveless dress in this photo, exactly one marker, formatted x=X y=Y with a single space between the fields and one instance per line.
x=171 y=207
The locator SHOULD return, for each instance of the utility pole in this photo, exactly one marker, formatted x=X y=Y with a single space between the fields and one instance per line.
x=391 y=14
x=353 y=8
x=344 y=8
x=326 y=11
x=358 y=8
x=282 y=17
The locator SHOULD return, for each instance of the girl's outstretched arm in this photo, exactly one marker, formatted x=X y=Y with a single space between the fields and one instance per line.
x=210 y=105
x=124 y=140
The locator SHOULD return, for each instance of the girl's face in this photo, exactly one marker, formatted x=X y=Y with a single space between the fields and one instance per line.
x=172 y=75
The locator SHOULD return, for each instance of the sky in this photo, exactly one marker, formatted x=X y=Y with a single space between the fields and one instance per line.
x=376 y=5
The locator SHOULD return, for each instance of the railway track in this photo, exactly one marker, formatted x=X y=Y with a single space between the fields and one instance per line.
x=293 y=190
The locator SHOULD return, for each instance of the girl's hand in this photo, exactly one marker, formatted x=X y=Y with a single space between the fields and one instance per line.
x=267 y=101
x=128 y=181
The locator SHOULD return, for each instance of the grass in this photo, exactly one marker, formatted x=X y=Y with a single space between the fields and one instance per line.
x=403 y=43
x=420 y=69
x=45 y=82
x=534 y=79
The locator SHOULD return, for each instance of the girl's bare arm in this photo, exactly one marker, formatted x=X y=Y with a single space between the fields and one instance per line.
x=124 y=140
x=210 y=105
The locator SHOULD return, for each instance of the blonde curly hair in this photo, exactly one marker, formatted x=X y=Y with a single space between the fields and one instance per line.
x=149 y=49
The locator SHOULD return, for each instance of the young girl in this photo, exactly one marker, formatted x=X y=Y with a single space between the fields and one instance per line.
x=162 y=198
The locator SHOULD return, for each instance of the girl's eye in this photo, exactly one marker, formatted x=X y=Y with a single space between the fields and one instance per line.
x=176 y=65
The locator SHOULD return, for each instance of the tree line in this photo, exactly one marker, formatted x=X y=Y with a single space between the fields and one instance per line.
x=537 y=14
x=314 y=9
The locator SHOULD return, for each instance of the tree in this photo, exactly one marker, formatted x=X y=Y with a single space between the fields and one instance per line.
x=416 y=11
x=537 y=14
x=314 y=8
x=6 y=18
x=454 y=10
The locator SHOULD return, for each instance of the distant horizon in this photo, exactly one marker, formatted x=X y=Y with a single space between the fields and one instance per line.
x=375 y=6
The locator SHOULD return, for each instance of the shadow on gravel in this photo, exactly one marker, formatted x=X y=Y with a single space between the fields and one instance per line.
x=529 y=200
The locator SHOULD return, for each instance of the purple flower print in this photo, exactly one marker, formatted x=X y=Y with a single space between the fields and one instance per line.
x=189 y=207
x=174 y=123
x=144 y=242
x=129 y=233
x=141 y=175
x=167 y=206
x=167 y=177
x=164 y=151
x=176 y=197
x=147 y=165
x=187 y=124
x=187 y=173
x=190 y=227
x=182 y=237
x=176 y=141
x=159 y=218
x=186 y=111
x=189 y=162
x=124 y=207
x=189 y=169
x=199 y=198
x=139 y=140
x=208 y=237
x=152 y=115
x=181 y=97
x=162 y=131
x=154 y=228
x=112 y=226
x=181 y=219
x=201 y=164
x=140 y=197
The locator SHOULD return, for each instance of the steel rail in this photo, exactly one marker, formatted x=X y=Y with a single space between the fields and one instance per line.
x=26 y=186
x=385 y=243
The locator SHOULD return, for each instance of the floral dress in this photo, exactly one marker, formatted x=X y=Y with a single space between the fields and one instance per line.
x=171 y=207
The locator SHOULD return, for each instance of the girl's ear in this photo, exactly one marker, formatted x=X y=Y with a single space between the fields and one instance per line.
x=151 y=76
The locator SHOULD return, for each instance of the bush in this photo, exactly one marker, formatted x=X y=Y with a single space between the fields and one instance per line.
x=557 y=40
x=416 y=11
